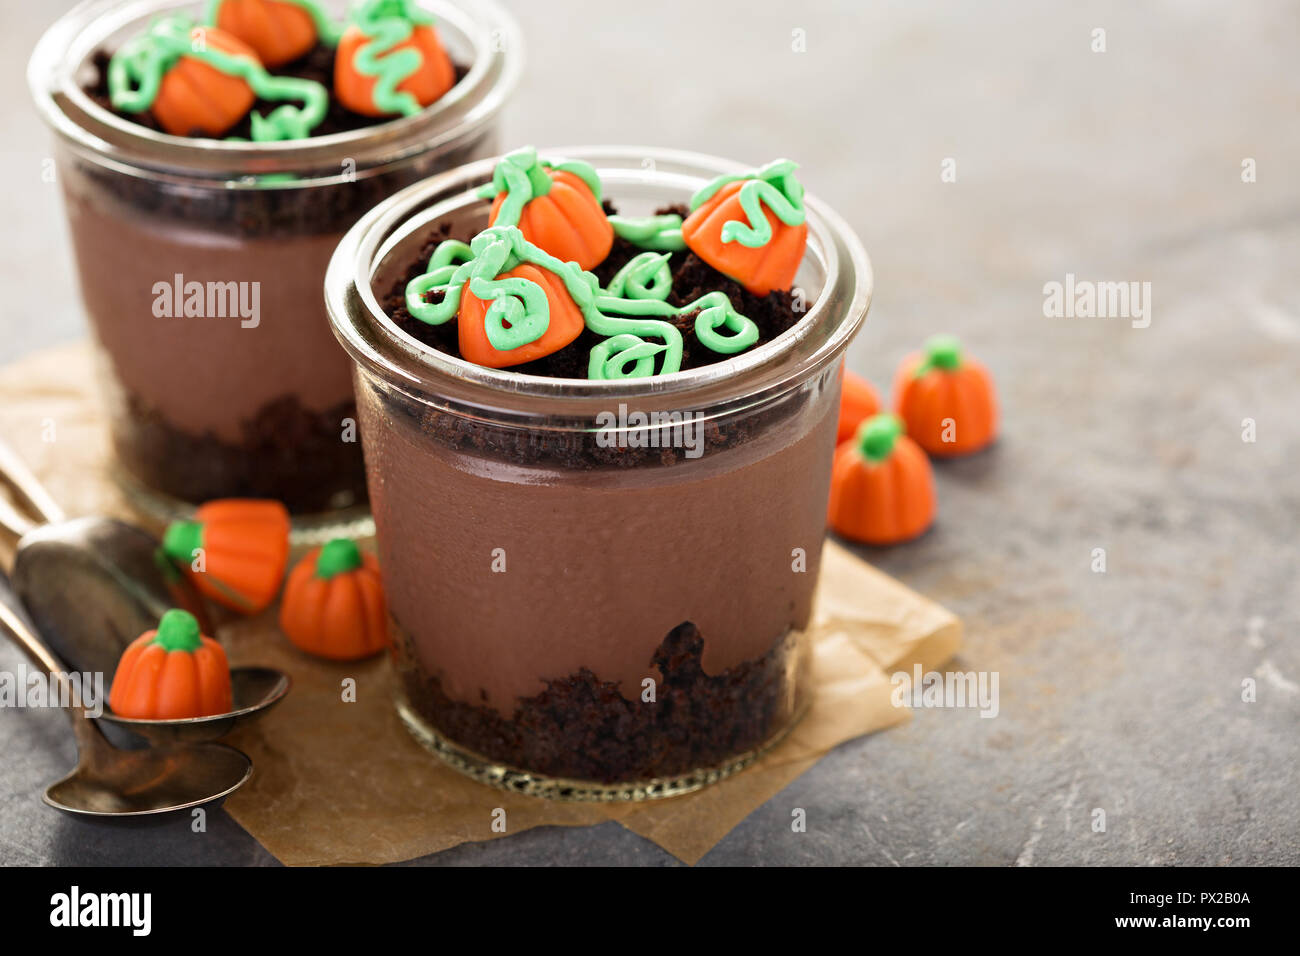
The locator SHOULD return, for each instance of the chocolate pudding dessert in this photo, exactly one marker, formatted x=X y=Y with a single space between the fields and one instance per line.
x=210 y=157
x=598 y=412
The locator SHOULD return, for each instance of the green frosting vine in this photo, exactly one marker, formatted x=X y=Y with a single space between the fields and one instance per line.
x=629 y=312
x=136 y=71
x=523 y=176
x=774 y=186
x=327 y=31
x=386 y=24
x=660 y=233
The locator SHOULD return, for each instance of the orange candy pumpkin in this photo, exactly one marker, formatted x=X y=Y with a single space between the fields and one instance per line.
x=279 y=32
x=947 y=399
x=564 y=217
x=356 y=90
x=566 y=322
x=235 y=550
x=194 y=96
x=759 y=269
x=858 y=402
x=171 y=673
x=882 y=486
x=334 y=603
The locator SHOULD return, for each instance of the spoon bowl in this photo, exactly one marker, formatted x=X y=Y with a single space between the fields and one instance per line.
x=253 y=690
x=155 y=780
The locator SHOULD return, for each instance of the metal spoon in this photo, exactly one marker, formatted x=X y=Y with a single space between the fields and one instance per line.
x=93 y=585
x=109 y=782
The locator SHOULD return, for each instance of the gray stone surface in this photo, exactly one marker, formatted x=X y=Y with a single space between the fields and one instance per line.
x=1119 y=691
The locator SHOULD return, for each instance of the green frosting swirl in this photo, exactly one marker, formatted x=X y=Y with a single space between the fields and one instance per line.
x=660 y=233
x=136 y=71
x=386 y=24
x=523 y=176
x=774 y=186
x=630 y=312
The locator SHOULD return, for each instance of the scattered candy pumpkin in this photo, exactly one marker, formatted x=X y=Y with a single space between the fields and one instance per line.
x=171 y=673
x=279 y=31
x=562 y=215
x=946 y=398
x=195 y=96
x=334 y=603
x=882 y=485
x=566 y=322
x=858 y=402
x=244 y=544
x=710 y=230
x=356 y=89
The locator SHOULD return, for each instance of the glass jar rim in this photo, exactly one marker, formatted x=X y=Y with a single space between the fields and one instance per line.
x=491 y=32
x=760 y=374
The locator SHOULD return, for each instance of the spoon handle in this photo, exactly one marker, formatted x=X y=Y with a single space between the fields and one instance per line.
x=13 y=622
x=13 y=520
x=15 y=473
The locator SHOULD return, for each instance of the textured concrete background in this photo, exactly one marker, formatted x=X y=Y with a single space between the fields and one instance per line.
x=1119 y=691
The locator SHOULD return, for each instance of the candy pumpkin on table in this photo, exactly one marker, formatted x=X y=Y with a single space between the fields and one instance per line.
x=555 y=204
x=235 y=550
x=171 y=673
x=946 y=398
x=333 y=603
x=751 y=227
x=882 y=485
x=390 y=61
x=858 y=402
x=279 y=31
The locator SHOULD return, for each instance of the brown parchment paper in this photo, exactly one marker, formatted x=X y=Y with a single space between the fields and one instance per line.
x=338 y=780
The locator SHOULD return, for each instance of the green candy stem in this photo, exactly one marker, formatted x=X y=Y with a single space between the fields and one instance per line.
x=877 y=436
x=338 y=556
x=182 y=539
x=941 y=352
x=178 y=631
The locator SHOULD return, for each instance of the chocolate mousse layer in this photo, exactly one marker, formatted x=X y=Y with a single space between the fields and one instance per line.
x=537 y=585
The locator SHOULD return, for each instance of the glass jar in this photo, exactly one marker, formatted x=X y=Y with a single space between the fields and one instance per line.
x=201 y=263
x=583 y=603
